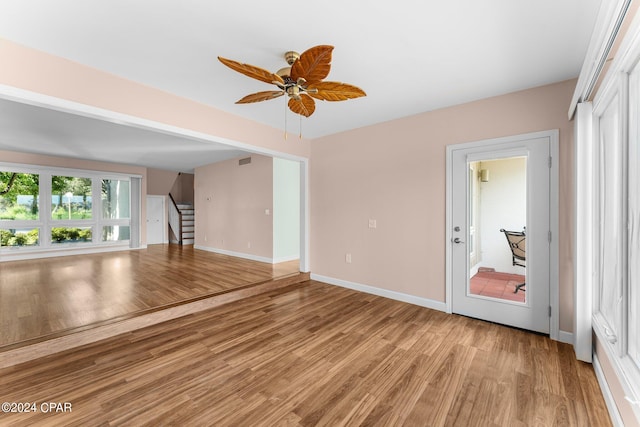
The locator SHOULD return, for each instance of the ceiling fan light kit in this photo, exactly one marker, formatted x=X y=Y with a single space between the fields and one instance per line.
x=302 y=81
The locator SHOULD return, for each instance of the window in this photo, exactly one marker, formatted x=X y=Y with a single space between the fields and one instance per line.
x=616 y=226
x=610 y=146
x=71 y=198
x=633 y=228
x=52 y=208
x=19 y=209
x=19 y=196
x=19 y=237
x=115 y=199
x=114 y=233
x=71 y=234
x=116 y=210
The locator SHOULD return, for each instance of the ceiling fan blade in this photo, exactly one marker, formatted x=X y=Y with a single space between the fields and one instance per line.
x=260 y=96
x=252 y=71
x=334 y=91
x=305 y=106
x=313 y=65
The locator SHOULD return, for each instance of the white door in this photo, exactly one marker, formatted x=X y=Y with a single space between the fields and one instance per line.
x=515 y=198
x=155 y=220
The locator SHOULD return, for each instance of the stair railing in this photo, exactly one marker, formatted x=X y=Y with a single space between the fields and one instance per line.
x=175 y=219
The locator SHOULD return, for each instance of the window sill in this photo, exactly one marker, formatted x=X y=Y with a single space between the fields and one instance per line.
x=17 y=253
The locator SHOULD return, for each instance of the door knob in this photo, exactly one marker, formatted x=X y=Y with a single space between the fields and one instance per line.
x=457 y=240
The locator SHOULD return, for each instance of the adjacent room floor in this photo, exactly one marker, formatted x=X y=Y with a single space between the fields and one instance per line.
x=498 y=285
x=52 y=296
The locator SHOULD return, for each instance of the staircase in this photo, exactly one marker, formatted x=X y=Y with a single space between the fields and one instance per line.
x=182 y=222
x=187 y=225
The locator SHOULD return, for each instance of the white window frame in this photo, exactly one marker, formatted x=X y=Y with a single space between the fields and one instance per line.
x=45 y=222
x=103 y=222
x=615 y=334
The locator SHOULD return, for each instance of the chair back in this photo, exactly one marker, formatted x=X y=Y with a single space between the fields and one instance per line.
x=517 y=244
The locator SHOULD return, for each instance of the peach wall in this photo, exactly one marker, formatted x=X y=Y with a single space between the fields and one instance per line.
x=182 y=189
x=394 y=172
x=31 y=70
x=160 y=181
x=63 y=162
x=230 y=202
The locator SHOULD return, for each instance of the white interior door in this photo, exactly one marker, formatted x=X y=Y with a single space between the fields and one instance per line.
x=502 y=204
x=155 y=219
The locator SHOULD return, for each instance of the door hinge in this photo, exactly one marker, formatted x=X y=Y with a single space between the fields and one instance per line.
x=549 y=236
x=550 y=162
x=549 y=311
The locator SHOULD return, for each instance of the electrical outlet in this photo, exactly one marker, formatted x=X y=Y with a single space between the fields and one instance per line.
x=347 y=258
x=249 y=245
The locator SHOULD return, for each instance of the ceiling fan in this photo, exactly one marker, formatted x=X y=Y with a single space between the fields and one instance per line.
x=302 y=80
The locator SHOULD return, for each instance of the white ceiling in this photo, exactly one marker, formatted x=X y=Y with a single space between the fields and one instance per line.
x=410 y=56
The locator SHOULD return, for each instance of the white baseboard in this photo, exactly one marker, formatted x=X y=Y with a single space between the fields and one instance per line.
x=19 y=255
x=235 y=254
x=286 y=259
x=398 y=296
x=565 y=337
x=609 y=400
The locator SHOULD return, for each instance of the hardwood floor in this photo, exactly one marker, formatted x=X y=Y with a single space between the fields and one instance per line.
x=312 y=354
x=52 y=296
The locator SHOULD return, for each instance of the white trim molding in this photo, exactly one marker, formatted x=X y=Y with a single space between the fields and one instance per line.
x=398 y=296
x=583 y=235
x=305 y=217
x=624 y=371
x=608 y=24
x=566 y=337
x=236 y=254
x=609 y=400
x=285 y=259
x=247 y=256
x=72 y=249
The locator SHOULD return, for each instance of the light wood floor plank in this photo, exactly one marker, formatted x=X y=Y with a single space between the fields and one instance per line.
x=54 y=296
x=313 y=354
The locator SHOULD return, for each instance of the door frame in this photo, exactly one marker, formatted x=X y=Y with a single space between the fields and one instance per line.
x=554 y=185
